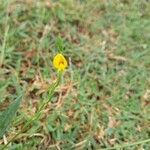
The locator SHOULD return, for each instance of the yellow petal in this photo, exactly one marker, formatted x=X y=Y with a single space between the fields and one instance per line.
x=60 y=62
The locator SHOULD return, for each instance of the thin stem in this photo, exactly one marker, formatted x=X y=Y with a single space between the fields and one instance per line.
x=2 y=57
x=127 y=145
x=4 y=46
x=38 y=113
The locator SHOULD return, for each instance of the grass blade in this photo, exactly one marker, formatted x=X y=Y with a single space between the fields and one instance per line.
x=7 y=116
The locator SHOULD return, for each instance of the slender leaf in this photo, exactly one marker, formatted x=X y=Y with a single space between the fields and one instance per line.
x=7 y=115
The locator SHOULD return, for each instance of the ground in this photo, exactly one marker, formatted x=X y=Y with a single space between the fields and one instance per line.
x=104 y=98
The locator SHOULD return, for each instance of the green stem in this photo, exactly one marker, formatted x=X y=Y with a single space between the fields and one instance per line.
x=127 y=145
x=38 y=113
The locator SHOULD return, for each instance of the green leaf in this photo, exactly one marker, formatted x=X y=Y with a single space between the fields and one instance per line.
x=7 y=115
x=60 y=44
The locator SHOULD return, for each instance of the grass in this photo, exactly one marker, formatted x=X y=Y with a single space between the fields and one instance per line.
x=104 y=98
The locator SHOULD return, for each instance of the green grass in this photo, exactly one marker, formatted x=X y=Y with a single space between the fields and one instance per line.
x=104 y=99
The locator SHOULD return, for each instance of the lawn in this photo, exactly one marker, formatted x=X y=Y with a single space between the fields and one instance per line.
x=103 y=99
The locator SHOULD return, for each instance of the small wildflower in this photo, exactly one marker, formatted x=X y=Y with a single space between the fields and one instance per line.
x=60 y=62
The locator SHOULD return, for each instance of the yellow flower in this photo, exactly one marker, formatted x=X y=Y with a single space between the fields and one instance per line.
x=60 y=62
